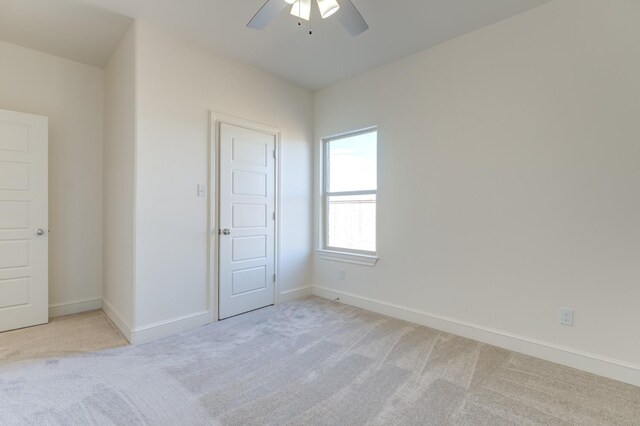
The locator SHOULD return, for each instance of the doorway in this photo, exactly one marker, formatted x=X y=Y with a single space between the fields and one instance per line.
x=244 y=242
x=24 y=285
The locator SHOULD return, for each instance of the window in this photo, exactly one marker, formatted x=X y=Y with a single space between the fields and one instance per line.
x=350 y=192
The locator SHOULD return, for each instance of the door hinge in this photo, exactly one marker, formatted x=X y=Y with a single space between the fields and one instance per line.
x=274 y=215
x=274 y=153
x=274 y=278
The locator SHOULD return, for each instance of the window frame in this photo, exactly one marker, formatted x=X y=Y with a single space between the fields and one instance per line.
x=341 y=254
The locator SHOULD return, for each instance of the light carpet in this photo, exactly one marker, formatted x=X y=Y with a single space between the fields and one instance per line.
x=310 y=362
x=62 y=336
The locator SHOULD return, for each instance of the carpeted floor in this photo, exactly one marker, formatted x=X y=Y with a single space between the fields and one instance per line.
x=68 y=335
x=310 y=362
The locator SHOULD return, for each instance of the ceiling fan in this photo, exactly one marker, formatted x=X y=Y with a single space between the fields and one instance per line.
x=345 y=11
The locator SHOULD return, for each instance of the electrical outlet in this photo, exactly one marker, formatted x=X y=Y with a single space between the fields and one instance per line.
x=342 y=274
x=566 y=316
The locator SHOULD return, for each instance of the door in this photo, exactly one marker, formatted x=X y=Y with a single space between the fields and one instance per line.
x=23 y=220
x=247 y=220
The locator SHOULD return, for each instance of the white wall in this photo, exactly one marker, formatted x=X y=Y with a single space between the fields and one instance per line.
x=119 y=184
x=177 y=87
x=509 y=180
x=70 y=94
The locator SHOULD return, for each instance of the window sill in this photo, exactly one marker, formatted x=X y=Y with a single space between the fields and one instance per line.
x=344 y=257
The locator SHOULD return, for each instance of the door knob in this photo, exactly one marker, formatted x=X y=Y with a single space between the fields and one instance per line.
x=39 y=232
x=226 y=232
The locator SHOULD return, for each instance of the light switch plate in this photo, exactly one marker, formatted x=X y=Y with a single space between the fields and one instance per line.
x=202 y=190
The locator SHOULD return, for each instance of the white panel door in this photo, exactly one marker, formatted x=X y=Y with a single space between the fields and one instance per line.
x=23 y=220
x=247 y=220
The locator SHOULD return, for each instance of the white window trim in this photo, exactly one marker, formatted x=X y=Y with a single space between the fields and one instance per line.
x=347 y=257
x=335 y=254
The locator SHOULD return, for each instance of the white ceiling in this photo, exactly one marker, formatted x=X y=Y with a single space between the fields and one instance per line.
x=71 y=29
x=398 y=28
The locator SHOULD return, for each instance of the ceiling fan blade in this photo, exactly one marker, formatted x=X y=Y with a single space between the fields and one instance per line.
x=351 y=19
x=266 y=14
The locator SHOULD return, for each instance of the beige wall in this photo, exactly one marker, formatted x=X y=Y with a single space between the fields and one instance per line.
x=509 y=180
x=70 y=94
x=177 y=86
x=119 y=183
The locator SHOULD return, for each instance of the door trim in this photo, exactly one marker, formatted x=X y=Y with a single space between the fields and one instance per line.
x=213 y=258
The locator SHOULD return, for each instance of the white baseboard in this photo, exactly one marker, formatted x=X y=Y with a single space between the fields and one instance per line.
x=296 y=293
x=116 y=318
x=75 y=307
x=160 y=330
x=592 y=363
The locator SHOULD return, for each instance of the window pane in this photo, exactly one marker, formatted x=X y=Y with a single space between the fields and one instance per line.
x=352 y=163
x=351 y=222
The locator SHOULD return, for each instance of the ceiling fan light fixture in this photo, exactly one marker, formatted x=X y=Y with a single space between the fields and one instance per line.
x=349 y=16
x=328 y=7
x=302 y=9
